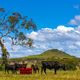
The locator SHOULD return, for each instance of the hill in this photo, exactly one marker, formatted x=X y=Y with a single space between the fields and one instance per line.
x=47 y=55
x=51 y=54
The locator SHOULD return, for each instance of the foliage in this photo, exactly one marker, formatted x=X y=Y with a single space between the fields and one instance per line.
x=70 y=63
x=14 y=26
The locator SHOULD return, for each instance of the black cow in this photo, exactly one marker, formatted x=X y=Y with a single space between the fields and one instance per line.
x=11 y=68
x=35 y=68
x=51 y=65
x=20 y=65
x=14 y=68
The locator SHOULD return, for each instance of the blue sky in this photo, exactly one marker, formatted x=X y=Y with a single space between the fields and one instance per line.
x=45 y=13
x=58 y=22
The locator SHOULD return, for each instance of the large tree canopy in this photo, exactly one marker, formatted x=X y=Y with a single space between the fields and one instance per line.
x=14 y=26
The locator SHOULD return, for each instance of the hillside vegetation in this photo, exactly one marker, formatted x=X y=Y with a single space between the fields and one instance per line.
x=52 y=54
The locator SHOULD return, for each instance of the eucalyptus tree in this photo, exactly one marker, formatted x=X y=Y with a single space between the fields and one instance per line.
x=15 y=26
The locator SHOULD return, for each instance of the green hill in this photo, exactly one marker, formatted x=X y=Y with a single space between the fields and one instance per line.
x=47 y=55
x=51 y=54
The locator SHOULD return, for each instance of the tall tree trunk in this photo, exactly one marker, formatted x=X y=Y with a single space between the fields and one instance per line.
x=4 y=53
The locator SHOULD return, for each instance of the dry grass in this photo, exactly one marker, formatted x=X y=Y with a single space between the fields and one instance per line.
x=67 y=75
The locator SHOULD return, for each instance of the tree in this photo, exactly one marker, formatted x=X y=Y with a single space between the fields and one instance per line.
x=14 y=26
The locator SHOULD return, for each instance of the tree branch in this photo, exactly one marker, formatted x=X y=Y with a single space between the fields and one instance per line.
x=6 y=33
x=6 y=15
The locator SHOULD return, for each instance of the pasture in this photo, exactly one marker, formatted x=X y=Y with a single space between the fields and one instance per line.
x=61 y=75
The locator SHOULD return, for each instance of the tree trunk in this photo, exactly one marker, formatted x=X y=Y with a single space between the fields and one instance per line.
x=4 y=53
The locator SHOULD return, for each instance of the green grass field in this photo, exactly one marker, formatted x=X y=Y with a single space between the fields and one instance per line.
x=61 y=75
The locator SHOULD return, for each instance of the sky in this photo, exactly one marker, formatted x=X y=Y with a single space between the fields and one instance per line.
x=58 y=24
x=45 y=13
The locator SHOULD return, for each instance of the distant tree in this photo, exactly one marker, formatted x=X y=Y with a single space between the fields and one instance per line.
x=14 y=26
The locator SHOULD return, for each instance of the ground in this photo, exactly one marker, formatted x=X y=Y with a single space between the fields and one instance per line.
x=61 y=75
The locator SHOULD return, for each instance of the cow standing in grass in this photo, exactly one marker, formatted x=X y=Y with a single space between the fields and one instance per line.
x=14 y=68
x=35 y=68
x=51 y=65
x=9 y=68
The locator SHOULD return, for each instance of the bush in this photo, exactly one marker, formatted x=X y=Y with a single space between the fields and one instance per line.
x=70 y=63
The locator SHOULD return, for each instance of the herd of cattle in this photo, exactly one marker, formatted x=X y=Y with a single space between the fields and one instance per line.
x=52 y=65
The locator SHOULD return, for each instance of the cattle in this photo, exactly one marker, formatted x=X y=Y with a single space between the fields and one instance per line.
x=51 y=65
x=11 y=68
x=20 y=65
x=35 y=68
x=14 y=68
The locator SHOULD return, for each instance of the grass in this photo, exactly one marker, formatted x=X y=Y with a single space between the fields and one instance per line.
x=61 y=75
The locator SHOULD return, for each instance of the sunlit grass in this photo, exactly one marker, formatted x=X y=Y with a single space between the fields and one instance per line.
x=61 y=75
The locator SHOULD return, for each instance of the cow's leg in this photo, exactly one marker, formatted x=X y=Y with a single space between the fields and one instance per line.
x=35 y=70
x=41 y=70
x=45 y=70
x=38 y=70
x=13 y=71
x=55 y=71
x=7 y=71
x=16 y=71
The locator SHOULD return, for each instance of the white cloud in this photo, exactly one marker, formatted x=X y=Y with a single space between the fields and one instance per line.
x=77 y=17
x=63 y=38
x=33 y=35
x=75 y=21
x=64 y=29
